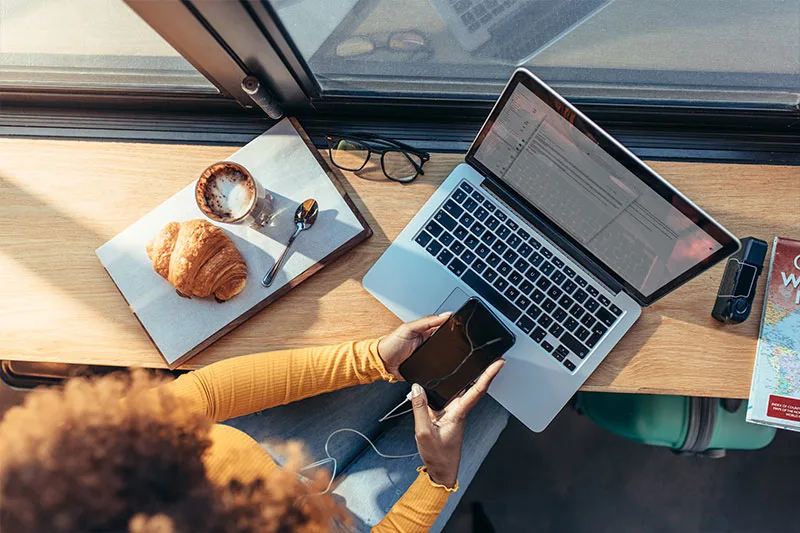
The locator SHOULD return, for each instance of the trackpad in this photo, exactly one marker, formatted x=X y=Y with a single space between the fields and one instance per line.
x=454 y=302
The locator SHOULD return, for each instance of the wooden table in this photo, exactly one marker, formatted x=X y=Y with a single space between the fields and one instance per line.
x=63 y=199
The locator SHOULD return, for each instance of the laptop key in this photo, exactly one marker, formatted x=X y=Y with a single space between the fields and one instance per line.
x=459 y=195
x=488 y=293
x=554 y=292
x=569 y=286
x=580 y=281
x=466 y=186
x=434 y=247
x=445 y=220
x=591 y=304
x=588 y=320
x=556 y=330
x=490 y=275
x=523 y=302
x=582 y=333
x=599 y=329
x=471 y=242
x=569 y=272
x=461 y=232
x=569 y=364
x=593 y=291
x=493 y=260
x=566 y=302
x=514 y=241
x=547 y=268
x=558 y=262
x=457 y=248
x=525 y=324
x=512 y=293
x=504 y=268
x=525 y=250
x=614 y=309
x=547 y=253
x=603 y=300
x=456 y=266
x=538 y=296
x=477 y=229
x=423 y=238
x=576 y=310
x=467 y=219
x=580 y=295
x=536 y=244
x=489 y=206
x=543 y=283
x=482 y=250
x=522 y=265
x=575 y=346
x=453 y=208
x=492 y=223
x=444 y=256
x=470 y=205
x=446 y=238
x=523 y=234
x=478 y=196
x=532 y=274
x=605 y=316
x=434 y=229
x=468 y=256
x=570 y=324
x=481 y=214
x=515 y=277
x=547 y=346
x=513 y=225
x=503 y=232
x=562 y=350
x=526 y=287
x=479 y=266
x=510 y=256
x=488 y=238
x=593 y=339
x=558 y=277
x=559 y=314
x=548 y=305
x=545 y=320
x=534 y=311
x=499 y=246
x=500 y=284
x=502 y=216
x=538 y=334
x=558 y=356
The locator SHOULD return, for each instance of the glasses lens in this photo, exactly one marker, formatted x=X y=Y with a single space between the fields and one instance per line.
x=348 y=154
x=355 y=46
x=406 y=40
x=400 y=166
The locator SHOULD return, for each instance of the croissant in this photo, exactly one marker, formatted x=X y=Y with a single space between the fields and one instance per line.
x=199 y=259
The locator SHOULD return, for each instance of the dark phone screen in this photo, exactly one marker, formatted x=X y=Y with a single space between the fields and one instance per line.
x=457 y=353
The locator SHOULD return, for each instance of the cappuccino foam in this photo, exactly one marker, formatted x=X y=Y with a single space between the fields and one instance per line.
x=225 y=193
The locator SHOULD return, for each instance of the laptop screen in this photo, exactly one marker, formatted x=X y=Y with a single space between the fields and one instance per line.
x=599 y=194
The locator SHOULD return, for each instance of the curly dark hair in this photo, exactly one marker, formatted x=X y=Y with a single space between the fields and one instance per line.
x=119 y=454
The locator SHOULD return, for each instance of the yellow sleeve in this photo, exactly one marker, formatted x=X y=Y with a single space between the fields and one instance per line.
x=250 y=383
x=419 y=507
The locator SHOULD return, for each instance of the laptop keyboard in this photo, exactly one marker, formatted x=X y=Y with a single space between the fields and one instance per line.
x=480 y=13
x=508 y=267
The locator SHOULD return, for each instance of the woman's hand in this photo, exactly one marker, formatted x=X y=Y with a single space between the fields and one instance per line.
x=440 y=434
x=401 y=343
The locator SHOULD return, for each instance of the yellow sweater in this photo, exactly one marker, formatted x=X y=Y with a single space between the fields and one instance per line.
x=251 y=383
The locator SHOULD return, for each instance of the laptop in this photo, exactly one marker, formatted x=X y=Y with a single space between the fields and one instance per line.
x=561 y=231
x=513 y=30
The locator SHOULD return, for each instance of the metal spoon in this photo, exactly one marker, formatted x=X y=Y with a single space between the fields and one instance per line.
x=304 y=218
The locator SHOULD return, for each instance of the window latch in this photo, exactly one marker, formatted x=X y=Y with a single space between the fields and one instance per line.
x=262 y=97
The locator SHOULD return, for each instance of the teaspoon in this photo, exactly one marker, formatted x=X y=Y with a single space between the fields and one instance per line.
x=304 y=218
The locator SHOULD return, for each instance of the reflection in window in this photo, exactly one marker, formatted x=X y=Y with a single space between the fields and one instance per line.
x=93 y=44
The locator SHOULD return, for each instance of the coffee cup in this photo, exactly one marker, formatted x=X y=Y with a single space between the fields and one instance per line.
x=227 y=192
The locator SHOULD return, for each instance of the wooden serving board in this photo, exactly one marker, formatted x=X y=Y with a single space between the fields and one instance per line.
x=286 y=163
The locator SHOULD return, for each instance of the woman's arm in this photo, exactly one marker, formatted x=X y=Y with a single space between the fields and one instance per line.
x=250 y=383
x=419 y=507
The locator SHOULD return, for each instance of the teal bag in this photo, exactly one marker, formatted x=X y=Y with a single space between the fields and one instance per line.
x=687 y=425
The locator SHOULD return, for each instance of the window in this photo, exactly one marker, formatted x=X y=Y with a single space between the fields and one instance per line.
x=89 y=44
x=714 y=51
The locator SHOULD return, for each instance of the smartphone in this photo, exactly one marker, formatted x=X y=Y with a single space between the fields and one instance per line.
x=457 y=353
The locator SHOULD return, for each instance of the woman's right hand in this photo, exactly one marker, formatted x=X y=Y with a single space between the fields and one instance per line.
x=440 y=434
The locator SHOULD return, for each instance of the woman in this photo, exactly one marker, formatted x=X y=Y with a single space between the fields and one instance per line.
x=119 y=455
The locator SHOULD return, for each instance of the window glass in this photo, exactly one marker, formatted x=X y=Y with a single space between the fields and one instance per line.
x=678 y=49
x=92 y=44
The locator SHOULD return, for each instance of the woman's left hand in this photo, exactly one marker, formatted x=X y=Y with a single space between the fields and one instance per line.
x=401 y=343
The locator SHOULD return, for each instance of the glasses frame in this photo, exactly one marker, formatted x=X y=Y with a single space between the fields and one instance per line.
x=375 y=144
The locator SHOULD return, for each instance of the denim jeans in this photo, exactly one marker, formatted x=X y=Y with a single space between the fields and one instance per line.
x=367 y=484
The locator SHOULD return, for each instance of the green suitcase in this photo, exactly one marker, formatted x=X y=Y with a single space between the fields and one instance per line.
x=687 y=425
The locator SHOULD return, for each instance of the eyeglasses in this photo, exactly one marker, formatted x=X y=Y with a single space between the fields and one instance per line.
x=399 y=161
x=410 y=42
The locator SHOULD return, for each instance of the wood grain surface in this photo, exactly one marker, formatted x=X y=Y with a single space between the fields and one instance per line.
x=63 y=199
